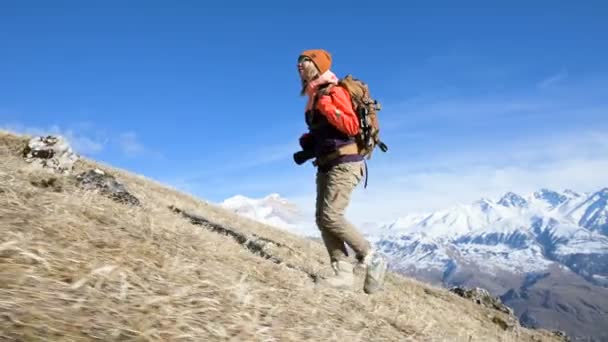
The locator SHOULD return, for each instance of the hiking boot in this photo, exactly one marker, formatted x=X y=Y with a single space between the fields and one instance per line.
x=376 y=266
x=343 y=279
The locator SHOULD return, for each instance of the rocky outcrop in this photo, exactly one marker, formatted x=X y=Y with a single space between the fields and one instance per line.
x=483 y=298
x=255 y=244
x=564 y=337
x=54 y=153
x=106 y=184
x=50 y=152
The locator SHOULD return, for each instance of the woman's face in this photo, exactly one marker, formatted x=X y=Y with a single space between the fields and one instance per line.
x=307 y=69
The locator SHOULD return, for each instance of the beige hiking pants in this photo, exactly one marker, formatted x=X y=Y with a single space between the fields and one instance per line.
x=334 y=189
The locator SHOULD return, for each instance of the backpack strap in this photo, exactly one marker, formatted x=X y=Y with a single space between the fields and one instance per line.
x=322 y=91
x=366 y=173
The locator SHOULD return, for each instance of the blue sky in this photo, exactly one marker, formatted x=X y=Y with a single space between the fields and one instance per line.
x=478 y=98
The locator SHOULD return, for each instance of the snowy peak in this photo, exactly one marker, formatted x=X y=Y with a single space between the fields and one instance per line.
x=271 y=205
x=572 y=193
x=513 y=200
x=484 y=204
x=602 y=193
x=594 y=212
x=518 y=233
x=551 y=198
x=272 y=210
x=457 y=221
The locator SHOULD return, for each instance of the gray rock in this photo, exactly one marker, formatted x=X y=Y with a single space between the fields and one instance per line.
x=108 y=185
x=482 y=297
x=50 y=152
x=255 y=244
x=562 y=335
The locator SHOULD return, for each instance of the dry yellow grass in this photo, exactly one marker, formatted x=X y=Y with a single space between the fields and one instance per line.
x=77 y=266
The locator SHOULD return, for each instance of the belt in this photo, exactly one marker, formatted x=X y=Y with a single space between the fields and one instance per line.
x=352 y=148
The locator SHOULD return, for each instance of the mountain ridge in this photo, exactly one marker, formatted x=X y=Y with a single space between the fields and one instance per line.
x=502 y=245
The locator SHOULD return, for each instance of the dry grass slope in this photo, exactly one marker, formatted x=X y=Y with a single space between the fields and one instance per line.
x=77 y=266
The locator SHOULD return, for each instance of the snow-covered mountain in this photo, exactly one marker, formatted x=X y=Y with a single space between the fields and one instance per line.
x=545 y=254
x=516 y=234
x=272 y=210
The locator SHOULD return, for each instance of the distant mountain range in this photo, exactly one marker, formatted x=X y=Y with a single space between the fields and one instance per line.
x=545 y=253
x=514 y=234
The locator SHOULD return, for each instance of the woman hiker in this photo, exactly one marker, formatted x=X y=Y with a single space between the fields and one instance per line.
x=333 y=123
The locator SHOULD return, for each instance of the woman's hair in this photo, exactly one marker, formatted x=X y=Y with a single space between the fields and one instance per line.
x=309 y=73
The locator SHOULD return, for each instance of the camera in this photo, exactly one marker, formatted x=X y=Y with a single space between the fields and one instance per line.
x=301 y=157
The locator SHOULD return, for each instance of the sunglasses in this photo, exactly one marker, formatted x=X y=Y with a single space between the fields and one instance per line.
x=301 y=62
x=303 y=59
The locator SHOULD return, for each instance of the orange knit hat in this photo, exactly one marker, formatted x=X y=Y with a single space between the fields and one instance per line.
x=321 y=58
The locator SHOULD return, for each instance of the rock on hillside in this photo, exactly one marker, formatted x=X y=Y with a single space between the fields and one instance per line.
x=50 y=152
x=76 y=265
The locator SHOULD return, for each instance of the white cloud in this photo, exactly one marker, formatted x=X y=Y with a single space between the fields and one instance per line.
x=554 y=79
x=130 y=144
